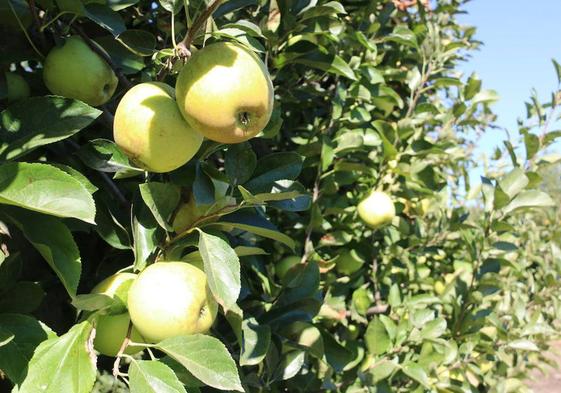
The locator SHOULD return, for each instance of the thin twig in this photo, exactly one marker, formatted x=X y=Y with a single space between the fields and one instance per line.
x=122 y=78
x=124 y=345
x=37 y=23
x=116 y=191
x=183 y=49
x=198 y=23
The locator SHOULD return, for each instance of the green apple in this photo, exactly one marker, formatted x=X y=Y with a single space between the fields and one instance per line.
x=348 y=262
x=111 y=330
x=284 y=265
x=361 y=300
x=75 y=71
x=149 y=128
x=170 y=299
x=225 y=92
x=17 y=87
x=7 y=17
x=377 y=209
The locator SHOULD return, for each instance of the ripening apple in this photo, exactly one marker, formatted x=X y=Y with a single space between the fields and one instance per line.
x=111 y=330
x=348 y=262
x=170 y=299
x=74 y=70
x=377 y=209
x=149 y=128
x=17 y=87
x=225 y=92
x=284 y=265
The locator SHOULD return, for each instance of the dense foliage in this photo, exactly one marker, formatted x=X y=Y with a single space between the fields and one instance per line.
x=459 y=294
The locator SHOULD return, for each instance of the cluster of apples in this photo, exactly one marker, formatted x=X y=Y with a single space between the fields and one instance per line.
x=223 y=93
x=166 y=299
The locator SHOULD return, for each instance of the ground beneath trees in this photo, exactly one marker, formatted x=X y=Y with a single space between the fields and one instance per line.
x=551 y=382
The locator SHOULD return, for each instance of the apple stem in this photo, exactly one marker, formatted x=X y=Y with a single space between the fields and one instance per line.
x=122 y=78
x=198 y=23
x=124 y=345
x=183 y=49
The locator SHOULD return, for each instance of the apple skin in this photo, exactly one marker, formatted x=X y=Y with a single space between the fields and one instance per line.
x=284 y=265
x=377 y=209
x=225 y=92
x=171 y=299
x=149 y=128
x=75 y=71
x=348 y=262
x=17 y=87
x=111 y=330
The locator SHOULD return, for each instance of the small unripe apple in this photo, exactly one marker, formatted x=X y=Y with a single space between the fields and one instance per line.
x=74 y=70
x=149 y=128
x=111 y=330
x=225 y=92
x=284 y=265
x=348 y=262
x=377 y=209
x=17 y=87
x=170 y=299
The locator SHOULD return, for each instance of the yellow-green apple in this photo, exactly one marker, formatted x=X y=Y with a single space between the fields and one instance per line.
x=170 y=299
x=150 y=130
x=17 y=87
x=111 y=330
x=284 y=265
x=377 y=209
x=190 y=211
x=348 y=262
x=225 y=92
x=74 y=70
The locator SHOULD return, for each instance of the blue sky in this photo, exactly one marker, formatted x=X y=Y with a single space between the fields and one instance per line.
x=520 y=39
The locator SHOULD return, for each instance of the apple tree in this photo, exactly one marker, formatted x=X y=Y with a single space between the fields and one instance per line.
x=267 y=195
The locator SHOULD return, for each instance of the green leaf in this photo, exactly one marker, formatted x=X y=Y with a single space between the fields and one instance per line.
x=529 y=199
x=54 y=119
x=473 y=86
x=46 y=189
x=105 y=17
x=173 y=6
x=486 y=96
x=523 y=345
x=104 y=155
x=222 y=268
x=254 y=223
x=162 y=200
x=327 y=62
x=152 y=376
x=532 y=144
x=54 y=242
x=206 y=358
x=26 y=334
x=402 y=35
x=62 y=364
x=255 y=342
x=239 y=163
x=377 y=338
x=272 y=168
x=330 y=8
x=140 y=42
x=416 y=372
x=145 y=233
x=434 y=329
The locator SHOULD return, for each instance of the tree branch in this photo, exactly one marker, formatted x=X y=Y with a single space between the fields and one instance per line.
x=122 y=78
